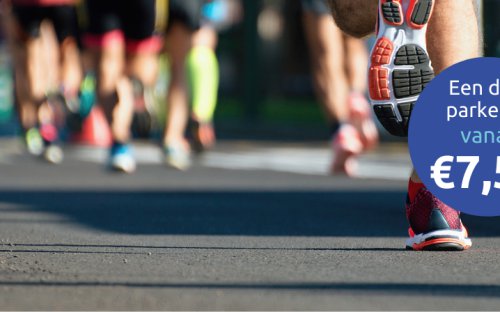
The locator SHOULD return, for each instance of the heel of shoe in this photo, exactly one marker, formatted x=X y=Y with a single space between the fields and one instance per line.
x=419 y=13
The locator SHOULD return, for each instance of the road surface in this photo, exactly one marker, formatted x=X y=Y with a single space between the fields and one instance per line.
x=251 y=226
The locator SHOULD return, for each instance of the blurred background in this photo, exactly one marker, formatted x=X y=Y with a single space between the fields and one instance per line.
x=266 y=90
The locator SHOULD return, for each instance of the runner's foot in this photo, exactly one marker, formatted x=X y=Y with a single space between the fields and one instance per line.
x=400 y=67
x=121 y=158
x=177 y=155
x=203 y=135
x=52 y=151
x=34 y=141
x=346 y=145
x=361 y=119
x=433 y=225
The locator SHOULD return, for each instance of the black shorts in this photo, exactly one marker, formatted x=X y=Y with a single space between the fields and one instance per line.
x=186 y=12
x=139 y=22
x=63 y=17
x=317 y=7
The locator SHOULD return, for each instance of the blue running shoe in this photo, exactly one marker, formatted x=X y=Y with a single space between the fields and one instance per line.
x=121 y=158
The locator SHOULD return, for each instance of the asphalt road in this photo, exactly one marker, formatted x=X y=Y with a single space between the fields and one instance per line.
x=225 y=237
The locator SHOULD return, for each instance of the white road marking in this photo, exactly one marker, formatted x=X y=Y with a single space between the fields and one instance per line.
x=299 y=160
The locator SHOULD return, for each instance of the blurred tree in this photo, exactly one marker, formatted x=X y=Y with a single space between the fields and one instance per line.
x=491 y=18
x=251 y=93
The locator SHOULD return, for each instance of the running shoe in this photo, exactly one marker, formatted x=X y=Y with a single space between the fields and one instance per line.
x=34 y=142
x=400 y=67
x=177 y=156
x=346 y=145
x=142 y=122
x=434 y=225
x=203 y=135
x=52 y=151
x=121 y=158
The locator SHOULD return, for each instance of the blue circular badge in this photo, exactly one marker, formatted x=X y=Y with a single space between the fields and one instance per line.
x=454 y=136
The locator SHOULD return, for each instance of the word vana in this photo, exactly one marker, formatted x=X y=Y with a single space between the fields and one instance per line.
x=480 y=137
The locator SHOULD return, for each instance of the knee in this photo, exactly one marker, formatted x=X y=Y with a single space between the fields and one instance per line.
x=356 y=18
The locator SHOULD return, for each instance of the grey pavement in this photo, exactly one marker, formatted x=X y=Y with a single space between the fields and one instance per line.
x=238 y=231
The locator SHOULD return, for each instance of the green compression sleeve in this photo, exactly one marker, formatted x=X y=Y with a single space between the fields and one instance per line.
x=203 y=73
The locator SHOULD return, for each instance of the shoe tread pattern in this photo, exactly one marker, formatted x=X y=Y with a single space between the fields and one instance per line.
x=379 y=76
x=388 y=118
x=411 y=82
x=391 y=10
x=421 y=12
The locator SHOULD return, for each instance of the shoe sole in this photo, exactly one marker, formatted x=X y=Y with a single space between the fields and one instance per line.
x=122 y=165
x=178 y=165
x=444 y=240
x=177 y=158
x=119 y=169
x=400 y=67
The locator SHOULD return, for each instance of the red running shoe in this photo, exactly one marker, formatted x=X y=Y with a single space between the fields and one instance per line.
x=399 y=64
x=434 y=225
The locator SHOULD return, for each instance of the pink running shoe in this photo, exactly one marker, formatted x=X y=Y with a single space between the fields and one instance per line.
x=434 y=225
